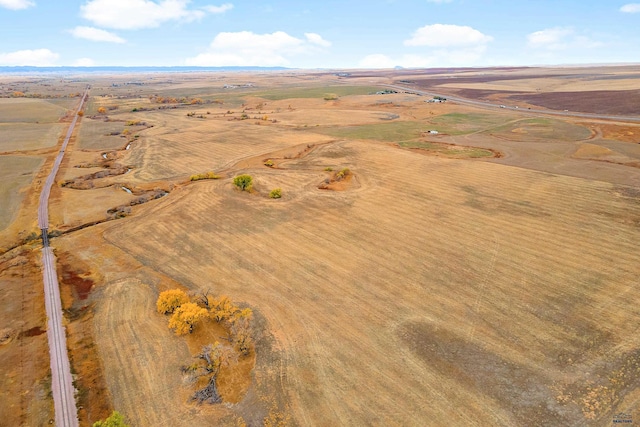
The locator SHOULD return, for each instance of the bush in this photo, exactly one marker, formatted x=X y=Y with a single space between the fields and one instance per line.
x=269 y=163
x=115 y=420
x=243 y=182
x=206 y=175
x=330 y=97
x=328 y=168
x=343 y=173
x=276 y=193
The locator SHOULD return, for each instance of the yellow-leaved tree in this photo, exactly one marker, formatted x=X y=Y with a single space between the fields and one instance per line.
x=185 y=318
x=169 y=300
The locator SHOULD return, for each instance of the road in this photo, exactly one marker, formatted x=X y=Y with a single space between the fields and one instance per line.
x=485 y=104
x=66 y=412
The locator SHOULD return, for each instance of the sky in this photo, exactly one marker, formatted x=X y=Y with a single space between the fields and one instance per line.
x=318 y=34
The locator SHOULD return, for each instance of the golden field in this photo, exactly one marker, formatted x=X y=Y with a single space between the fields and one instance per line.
x=483 y=275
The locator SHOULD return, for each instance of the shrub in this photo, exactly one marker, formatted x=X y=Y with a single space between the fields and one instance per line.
x=269 y=163
x=276 y=193
x=206 y=175
x=328 y=168
x=343 y=173
x=114 y=420
x=243 y=182
x=330 y=96
x=102 y=110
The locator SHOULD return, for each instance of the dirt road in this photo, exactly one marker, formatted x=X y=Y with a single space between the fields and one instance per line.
x=66 y=413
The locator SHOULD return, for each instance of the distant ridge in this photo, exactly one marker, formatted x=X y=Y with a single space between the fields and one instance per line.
x=83 y=70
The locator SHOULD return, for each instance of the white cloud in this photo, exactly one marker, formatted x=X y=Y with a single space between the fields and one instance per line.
x=561 y=38
x=444 y=35
x=16 y=4
x=36 y=57
x=246 y=48
x=137 y=14
x=437 y=58
x=550 y=38
x=377 y=60
x=631 y=8
x=84 y=62
x=317 y=39
x=96 y=35
x=218 y=9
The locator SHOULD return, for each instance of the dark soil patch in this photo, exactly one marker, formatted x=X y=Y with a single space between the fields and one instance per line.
x=597 y=102
x=81 y=286
x=32 y=332
x=522 y=392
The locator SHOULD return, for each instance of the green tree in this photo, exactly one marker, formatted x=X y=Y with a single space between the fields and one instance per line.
x=243 y=182
x=114 y=420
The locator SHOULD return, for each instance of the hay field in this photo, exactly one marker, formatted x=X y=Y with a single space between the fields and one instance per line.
x=23 y=136
x=476 y=287
x=23 y=110
x=16 y=173
x=191 y=146
x=101 y=135
x=484 y=288
x=428 y=288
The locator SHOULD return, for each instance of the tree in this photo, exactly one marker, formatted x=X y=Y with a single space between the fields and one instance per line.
x=243 y=182
x=114 y=420
x=185 y=318
x=213 y=355
x=169 y=300
x=241 y=332
x=222 y=308
x=102 y=110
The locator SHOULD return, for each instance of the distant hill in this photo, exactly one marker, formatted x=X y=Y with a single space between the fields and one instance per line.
x=84 y=70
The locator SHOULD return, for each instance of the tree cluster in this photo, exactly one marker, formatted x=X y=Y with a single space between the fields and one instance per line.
x=186 y=313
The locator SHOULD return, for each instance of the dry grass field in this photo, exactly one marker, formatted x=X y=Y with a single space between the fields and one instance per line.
x=483 y=275
x=28 y=136
x=16 y=173
x=23 y=110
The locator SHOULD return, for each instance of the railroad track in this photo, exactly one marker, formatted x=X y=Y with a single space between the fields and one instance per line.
x=62 y=389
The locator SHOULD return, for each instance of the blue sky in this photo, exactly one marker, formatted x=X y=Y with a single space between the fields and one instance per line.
x=318 y=34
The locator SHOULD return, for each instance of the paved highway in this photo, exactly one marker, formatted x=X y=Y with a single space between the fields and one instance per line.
x=66 y=413
x=514 y=108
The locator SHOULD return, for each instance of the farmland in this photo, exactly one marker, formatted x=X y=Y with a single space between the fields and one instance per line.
x=483 y=274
